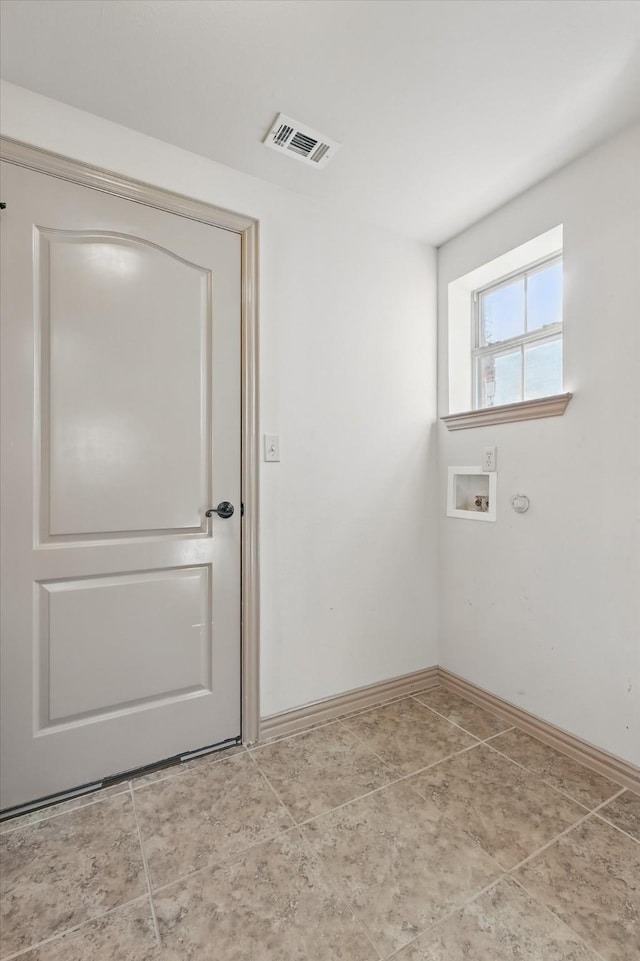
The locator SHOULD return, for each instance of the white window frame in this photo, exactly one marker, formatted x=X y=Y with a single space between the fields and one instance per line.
x=550 y=332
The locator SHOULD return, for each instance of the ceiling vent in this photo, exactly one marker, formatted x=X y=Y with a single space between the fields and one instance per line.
x=301 y=142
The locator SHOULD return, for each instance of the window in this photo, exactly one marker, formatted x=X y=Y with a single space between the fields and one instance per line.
x=517 y=336
x=504 y=329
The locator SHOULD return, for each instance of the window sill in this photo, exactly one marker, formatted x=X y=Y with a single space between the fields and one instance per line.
x=508 y=413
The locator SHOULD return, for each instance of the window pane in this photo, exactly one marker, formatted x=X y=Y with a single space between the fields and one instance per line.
x=502 y=313
x=543 y=369
x=544 y=297
x=499 y=379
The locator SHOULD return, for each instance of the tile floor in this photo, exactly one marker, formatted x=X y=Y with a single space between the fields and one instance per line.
x=424 y=829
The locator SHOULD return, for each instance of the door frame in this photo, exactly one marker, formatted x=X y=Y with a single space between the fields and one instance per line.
x=65 y=168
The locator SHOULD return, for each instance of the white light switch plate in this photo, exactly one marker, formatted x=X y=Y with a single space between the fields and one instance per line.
x=271 y=447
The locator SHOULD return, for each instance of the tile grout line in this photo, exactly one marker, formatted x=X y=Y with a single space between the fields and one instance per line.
x=229 y=858
x=56 y=814
x=507 y=870
x=59 y=935
x=294 y=827
x=411 y=697
x=177 y=770
x=550 y=843
x=559 y=790
x=416 y=696
x=461 y=751
x=383 y=787
x=387 y=765
x=558 y=919
x=343 y=721
x=455 y=724
x=478 y=740
x=588 y=813
x=515 y=727
x=374 y=707
x=147 y=873
x=427 y=767
x=566 y=831
x=358 y=797
x=450 y=914
x=499 y=734
x=398 y=780
x=502 y=874
x=331 y=720
x=297 y=827
x=294 y=823
x=340 y=894
x=278 y=739
x=605 y=820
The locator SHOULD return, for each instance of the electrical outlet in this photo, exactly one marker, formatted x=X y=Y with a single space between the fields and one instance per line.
x=489 y=459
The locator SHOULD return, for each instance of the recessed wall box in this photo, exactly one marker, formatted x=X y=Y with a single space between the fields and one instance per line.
x=471 y=494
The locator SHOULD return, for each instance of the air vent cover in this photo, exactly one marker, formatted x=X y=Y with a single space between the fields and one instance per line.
x=301 y=142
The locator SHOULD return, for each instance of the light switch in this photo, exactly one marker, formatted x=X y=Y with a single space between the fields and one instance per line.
x=271 y=447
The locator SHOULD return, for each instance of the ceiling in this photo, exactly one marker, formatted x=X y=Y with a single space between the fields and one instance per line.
x=445 y=108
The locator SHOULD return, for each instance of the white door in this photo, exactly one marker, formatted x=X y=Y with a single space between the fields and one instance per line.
x=121 y=414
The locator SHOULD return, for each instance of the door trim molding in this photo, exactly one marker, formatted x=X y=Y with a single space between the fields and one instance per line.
x=65 y=168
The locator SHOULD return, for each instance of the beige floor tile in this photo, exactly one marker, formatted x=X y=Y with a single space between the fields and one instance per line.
x=565 y=774
x=474 y=719
x=316 y=771
x=399 y=862
x=200 y=818
x=503 y=924
x=407 y=735
x=590 y=878
x=624 y=812
x=126 y=934
x=42 y=814
x=68 y=869
x=273 y=903
x=510 y=812
x=404 y=856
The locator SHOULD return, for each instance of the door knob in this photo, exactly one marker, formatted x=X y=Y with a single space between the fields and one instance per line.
x=224 y=509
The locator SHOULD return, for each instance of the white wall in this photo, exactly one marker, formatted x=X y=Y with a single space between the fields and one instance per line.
x=347 y=316
x=543 y=609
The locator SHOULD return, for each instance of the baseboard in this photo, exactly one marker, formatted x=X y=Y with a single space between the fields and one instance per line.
x=289 y=722
x=593 y=757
